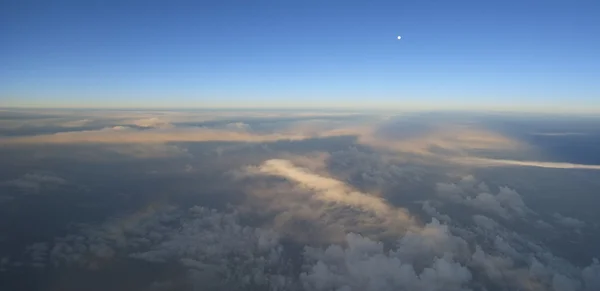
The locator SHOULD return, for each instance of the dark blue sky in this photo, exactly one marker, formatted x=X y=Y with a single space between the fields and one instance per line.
x=453 y=54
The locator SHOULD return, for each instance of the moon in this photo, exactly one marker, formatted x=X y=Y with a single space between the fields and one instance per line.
x=399 y=37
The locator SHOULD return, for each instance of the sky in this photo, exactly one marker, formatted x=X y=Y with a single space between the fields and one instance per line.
x=530 y=55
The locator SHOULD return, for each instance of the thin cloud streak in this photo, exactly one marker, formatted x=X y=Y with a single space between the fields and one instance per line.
x=500 y=162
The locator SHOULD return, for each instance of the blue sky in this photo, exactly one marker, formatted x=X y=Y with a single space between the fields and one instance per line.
x=453 y=54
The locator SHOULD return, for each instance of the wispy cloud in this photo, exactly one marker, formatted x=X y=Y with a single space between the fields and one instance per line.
x=35 y=182
x=474 y=161
x=324 y=201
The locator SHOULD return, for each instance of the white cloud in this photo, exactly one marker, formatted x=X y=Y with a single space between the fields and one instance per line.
x=152 y=122
x=473 y=161
x=364 y=265
x=325 y=200
x=331 y=190
x=506 y=203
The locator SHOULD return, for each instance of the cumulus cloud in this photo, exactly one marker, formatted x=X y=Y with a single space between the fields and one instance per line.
x=301 y=225
x=364 y=265
x=506 y=203
x=485 y=222
x=429 y=209
x=213 y=246
x=591 y=276
x=221 y=253
x=91 y=245
x=205 y=240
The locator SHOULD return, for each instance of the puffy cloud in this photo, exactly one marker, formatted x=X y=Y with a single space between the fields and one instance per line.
x=213 y=246
x=429 y=209
x=375 y=170
x=434 y=239
x=220 y=253
x=563 y=283
x=506 y=203
x=494 y=267
x=488 y=202
x=92 y=245
x=364 y=265
x=591 y=276
x=485 y=222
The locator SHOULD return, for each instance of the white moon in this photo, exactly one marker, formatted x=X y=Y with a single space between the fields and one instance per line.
x=399 y=37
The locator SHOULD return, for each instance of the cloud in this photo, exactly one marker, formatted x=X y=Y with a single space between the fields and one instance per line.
x=429 y=209
x=485 y=222
x=38 y=253
x=591 y=276
x=239 y=126
x=322 y=199
x=35 y=182
x=148 y=150
x=301 y=224
x=76 y=123
x=507 y=203
x=152 y=122
x=327 y=188
x=506 y=163
x=364 y=265
x=559 y=133
x=220 y=253
x=216 y=250
x=4 y=262
x=442 y=141
x=124 y=135
x=92 y=245
x=568 y=221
